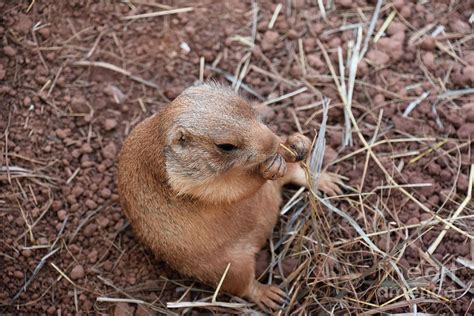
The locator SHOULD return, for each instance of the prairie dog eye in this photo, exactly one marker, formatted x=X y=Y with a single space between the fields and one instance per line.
x=227 y=147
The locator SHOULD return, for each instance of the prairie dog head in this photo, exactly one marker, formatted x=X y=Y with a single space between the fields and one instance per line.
x=215 y=139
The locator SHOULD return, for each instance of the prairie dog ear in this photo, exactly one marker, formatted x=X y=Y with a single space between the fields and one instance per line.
x=179 y=136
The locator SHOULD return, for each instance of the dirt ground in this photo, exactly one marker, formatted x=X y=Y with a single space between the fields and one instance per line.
x=76 y=76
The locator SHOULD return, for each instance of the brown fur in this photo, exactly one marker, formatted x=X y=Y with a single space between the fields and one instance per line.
x=196 y=206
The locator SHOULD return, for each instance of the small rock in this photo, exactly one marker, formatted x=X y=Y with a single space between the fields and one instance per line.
x=315 y=61
x=92 y=256
x=42 y=241
x=413 y=221
x=9 y=51
x=90 y=229
x=143 y=311
x=406 y=11
x=61 y=215
x=459 y=26
x=79 y=104
x=57 y=205
x=77 y=272
x=110 y=151
x=466 y=131
x=86 y=148
x=398 y=4
x=302 y=99
x=346 y=4
x=292 y=34
x=77 y=191
x=379 y=58
x=123 y=309
x=91 y=204
x=26 y=253
x=298 y=4
x=468 y=73
x=468 y=110
x=45 y=32
x=23 y=24
x=269 y=39
x=103 y=222
x=105 y=193
x=429 y=59
x=396 y=27
x=18 y=274
x=26 y=101
x=425 y=216
x=110 y=124
x=428 y=43
x=51 y=310
x=74 y=249
x=63 y=133
x=469 y=58
x=462 y=183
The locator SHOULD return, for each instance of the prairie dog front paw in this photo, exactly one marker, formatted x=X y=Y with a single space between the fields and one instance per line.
x=274 y=167
x=296 y=148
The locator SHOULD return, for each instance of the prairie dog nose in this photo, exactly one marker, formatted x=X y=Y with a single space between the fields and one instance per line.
x=268 y=142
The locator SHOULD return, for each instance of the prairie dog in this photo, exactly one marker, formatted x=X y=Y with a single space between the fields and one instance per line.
x=200 y=182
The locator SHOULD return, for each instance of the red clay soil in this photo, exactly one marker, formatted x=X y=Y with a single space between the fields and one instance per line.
x=62 y=122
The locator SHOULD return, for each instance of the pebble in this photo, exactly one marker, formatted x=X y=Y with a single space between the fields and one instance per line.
x=77 y=272
x=466 y=131
x=468 y=109
x=103 y=222
x=428 y=43
x=26 y=101
x=86 y=148
x=45 y=32
x=18 y=274
x=51 y=310
x=346 y=4
x=468 y=73
x=413 y=221
x=143 y=311
x=123 y=309
x=26 y=253
x=429 y=59
x=425 y=216
x=110 y=151
x=90 y=230
x=462 y=183
x=23 y=24
x=57 y=205
x=459 y=26
x=110 y=124
x=396 y=27
x=63 y=133
x=9 y=51
x=399 y=4
x=314 y=61
x=269 y=39
x=92 y=256
x=91 y=204
x=77 y=191
x=105 y=193
x=42 y=241
x=61 y=215
x=379 y=58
